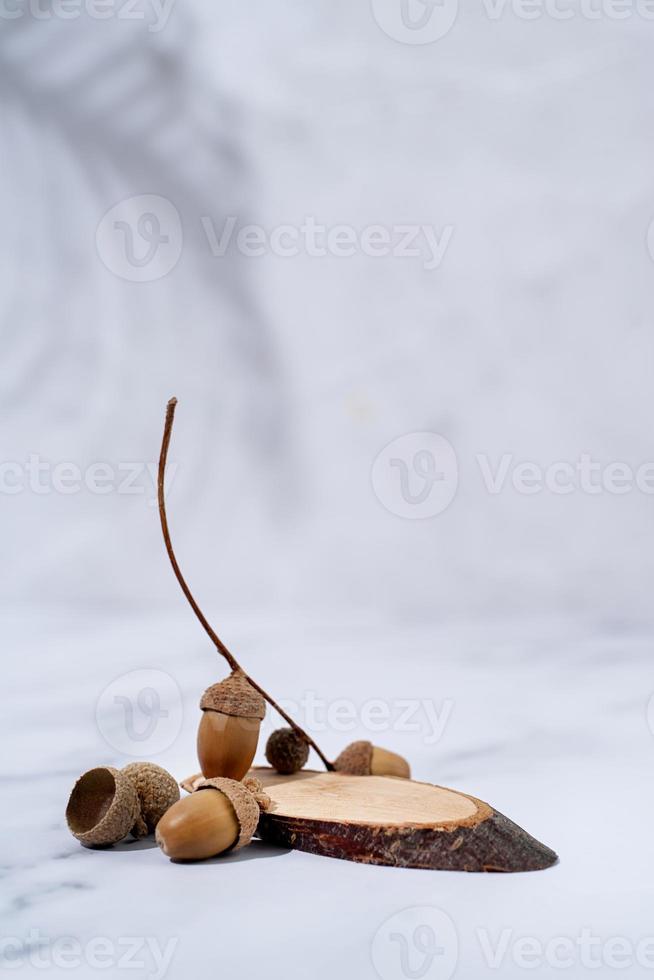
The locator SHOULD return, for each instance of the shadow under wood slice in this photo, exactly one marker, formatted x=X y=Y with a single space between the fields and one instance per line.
x=395 y=822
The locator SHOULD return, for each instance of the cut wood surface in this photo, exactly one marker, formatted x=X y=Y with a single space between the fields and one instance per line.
x=392 y=821
x=368 y=800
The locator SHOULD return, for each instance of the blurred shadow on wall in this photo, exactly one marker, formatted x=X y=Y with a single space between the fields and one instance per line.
x=96 y=110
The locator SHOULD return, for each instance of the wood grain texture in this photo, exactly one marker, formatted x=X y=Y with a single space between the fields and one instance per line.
x=396 y=822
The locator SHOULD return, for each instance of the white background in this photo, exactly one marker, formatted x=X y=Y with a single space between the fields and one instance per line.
x=530 y=613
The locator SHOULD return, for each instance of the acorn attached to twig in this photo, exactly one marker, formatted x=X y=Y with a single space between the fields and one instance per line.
x=365 y=759
x=107 y=804
x=221 y=760
x=286 y=751
x=220 y=815
x=232 y=712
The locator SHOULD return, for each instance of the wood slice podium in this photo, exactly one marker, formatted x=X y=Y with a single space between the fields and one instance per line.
x=396 y=822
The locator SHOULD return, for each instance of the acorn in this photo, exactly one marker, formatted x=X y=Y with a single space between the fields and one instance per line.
x=232 y=712
x=286 y=751
x=365 y=759
x=221 y=815
x=107 y=804
x=156 y=790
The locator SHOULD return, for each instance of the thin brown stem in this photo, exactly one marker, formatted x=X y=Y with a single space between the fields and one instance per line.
x=220 y=646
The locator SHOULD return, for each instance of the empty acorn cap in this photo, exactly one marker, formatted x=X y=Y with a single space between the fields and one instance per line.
x=355 y=759
x=245 y=799
x=103 y=807
x=156 y=790
x=234 y=696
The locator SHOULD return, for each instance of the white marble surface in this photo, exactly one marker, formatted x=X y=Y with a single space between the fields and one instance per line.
x=547 y=720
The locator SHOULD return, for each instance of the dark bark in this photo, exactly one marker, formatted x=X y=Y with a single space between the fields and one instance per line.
x=493 y=844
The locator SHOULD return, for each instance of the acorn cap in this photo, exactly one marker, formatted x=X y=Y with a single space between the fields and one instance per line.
x=103 y=807
x=234 y=696
x=355 y=759
x=246 y=806
x=286 y=751
x=156 y=790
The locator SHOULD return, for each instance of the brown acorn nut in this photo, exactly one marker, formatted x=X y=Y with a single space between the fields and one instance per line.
x=365 y=759
x=220 y=816
x=228 y=735
x=107 y=804
x=286 y=751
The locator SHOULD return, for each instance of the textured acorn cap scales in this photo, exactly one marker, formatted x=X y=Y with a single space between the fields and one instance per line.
x=107 y=804
x=244 y=801
x=355 y=759
x=365 y=759
x=286 y=751
x=103 y=807
x=157 y=790
x=234 y=696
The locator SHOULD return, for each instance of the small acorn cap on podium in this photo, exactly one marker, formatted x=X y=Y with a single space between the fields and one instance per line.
x=157 y=790
x=365 y=759
x=103 y=807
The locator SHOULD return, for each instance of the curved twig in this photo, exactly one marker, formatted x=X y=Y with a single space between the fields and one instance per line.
x=220 y=646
